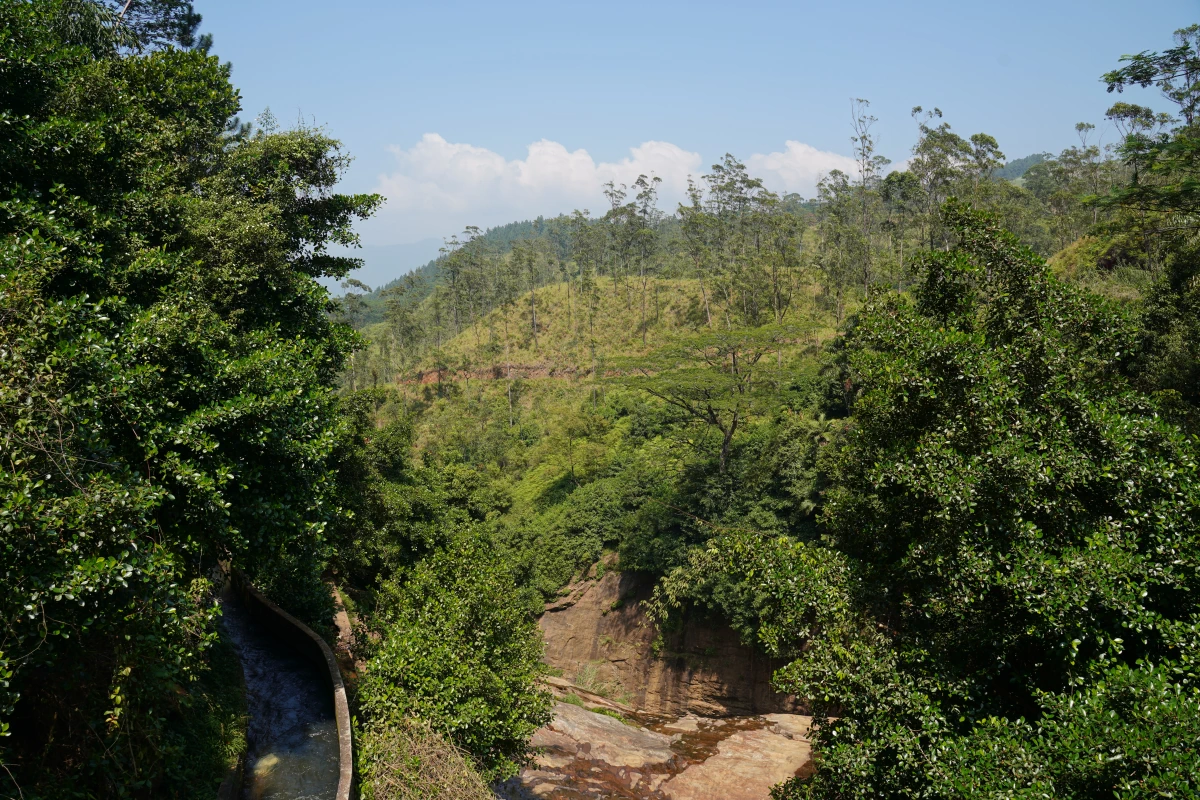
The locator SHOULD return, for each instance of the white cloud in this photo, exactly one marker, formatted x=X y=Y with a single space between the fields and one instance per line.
x=798 y=168
x=439 y=187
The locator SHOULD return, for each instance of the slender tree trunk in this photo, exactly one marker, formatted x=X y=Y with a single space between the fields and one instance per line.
x=570 y=323
x=728 y=439
x=643 y=277
x=533 y=318
x=508 y=375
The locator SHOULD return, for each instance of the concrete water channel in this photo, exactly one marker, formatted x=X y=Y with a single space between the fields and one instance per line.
x=298 y=735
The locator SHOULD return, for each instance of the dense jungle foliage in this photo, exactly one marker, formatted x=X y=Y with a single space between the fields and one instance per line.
x=450 y=643
x=930 y=437
x=167 y=392
x=169 y=401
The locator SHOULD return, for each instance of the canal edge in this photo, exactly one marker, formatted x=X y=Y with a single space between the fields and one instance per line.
x=253 y=597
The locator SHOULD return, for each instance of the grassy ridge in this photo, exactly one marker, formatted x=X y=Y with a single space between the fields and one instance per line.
x=566 y=463
x=571 y=330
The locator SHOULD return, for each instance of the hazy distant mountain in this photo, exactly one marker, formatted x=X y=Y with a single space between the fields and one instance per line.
x=386 y=262
x=1017 y=167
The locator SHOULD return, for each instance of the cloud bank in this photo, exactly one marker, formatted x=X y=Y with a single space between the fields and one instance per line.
x=439 y=187
x=798 y=167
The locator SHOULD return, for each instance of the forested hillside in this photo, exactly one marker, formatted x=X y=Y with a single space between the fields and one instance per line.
x=931 y=435
x=930 y=439
x=752 y=252
x=366 y=306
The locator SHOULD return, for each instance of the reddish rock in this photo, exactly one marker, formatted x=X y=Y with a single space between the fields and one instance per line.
x=747 y=763
x=600 y=638
x=583 y=755
x=579 y=733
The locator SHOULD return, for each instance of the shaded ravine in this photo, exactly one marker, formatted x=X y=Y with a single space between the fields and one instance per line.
x=292 y=737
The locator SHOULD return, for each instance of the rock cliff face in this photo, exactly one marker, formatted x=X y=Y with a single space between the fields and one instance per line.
x=697 y=721
x=599 y=637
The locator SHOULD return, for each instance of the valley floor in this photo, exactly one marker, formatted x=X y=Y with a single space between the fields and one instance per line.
x=585 y=754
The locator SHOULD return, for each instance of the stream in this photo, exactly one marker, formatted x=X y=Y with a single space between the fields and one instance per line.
x=292 y=735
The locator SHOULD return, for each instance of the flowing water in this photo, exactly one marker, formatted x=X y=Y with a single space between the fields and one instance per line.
x=292 y=735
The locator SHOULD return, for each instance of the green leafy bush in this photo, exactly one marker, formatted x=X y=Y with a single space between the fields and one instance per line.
x=460 y=652
x=453 y=644
x=1005 y=593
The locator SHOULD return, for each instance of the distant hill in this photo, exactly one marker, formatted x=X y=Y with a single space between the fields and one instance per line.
x=499 y=239
x=1016 y=168
x=383 y=263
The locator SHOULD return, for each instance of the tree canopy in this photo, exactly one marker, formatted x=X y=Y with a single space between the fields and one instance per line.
x=167 y=376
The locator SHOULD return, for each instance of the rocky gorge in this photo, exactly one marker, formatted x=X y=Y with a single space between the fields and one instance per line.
x=693 y=718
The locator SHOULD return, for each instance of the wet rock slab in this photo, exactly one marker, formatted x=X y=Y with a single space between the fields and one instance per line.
x=588 y=756
x=747 y=763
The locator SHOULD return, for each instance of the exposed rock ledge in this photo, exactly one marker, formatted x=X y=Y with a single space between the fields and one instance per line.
x=698 y=721
x=589 y=756
x=599 y=638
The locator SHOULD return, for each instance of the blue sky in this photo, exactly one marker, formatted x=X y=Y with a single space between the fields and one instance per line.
x=480 y=113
